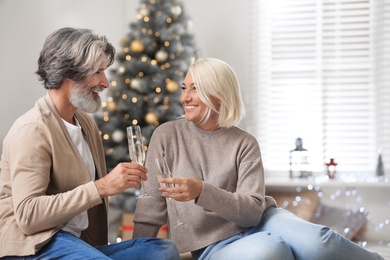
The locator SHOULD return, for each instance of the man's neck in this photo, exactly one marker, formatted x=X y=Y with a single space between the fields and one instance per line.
x=60 y=99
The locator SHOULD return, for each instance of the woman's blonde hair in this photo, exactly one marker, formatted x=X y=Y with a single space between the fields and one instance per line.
x=215 y=78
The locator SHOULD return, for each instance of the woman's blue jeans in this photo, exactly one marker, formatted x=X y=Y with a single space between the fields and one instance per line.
x=66 y=246
x=282 y=235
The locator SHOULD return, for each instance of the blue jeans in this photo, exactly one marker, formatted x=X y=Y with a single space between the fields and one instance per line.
x=66 y=246
x=282 y=235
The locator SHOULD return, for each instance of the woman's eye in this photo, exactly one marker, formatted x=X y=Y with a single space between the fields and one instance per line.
x=188 y=88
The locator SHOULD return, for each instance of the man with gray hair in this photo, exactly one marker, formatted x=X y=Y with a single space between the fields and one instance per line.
x=53 y=181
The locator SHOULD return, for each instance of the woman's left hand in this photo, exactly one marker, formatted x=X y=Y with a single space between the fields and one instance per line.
x=185 y=188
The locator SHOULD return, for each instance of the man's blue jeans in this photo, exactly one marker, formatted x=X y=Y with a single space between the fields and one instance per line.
x=66 y=246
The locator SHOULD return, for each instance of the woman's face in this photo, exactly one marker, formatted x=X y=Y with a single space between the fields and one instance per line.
x=194 y=108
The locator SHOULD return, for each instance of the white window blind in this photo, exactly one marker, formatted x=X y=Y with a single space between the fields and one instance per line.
x=320 y=71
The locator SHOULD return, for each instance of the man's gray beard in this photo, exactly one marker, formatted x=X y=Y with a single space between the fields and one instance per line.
x=85 y=101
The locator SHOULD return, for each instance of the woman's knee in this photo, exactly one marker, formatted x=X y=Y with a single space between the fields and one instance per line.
x=320 y=236
x=260 y=245
x=271 y=247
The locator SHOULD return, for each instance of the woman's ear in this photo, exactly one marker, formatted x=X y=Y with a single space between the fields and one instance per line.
x=219 y=103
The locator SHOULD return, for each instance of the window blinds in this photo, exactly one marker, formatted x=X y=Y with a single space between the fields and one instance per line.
x=321 y=74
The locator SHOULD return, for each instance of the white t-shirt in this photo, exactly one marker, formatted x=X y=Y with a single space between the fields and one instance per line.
x=80 y=222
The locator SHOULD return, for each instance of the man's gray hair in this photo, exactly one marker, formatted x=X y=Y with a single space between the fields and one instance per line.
x=72 y=53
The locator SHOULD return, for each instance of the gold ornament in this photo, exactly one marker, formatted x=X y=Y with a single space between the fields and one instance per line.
x=135 y=83
x=144 y=11
x=176 y=11
x=151 y=117
x=124 y=41
x=172 y=86
x=120 y=70
x=161 y=56
x=118 y=136
x=111 y=106
x=137 y=46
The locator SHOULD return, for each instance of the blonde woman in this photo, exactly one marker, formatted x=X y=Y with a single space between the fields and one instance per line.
x=219 y=183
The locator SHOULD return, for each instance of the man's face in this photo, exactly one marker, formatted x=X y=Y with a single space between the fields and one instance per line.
x=85 y=94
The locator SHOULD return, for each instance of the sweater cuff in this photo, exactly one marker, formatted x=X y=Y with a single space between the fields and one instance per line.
x=94 y=196
x=204 y=199
x=145 y=230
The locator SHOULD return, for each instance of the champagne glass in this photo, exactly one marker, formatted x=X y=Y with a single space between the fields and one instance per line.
x=136 y=150
x=165 y=172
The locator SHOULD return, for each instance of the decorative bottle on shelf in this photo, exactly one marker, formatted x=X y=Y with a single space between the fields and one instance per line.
x=299 y=165
x=331 y=168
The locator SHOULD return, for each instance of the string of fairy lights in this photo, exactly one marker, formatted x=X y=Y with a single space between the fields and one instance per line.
x=354 y=201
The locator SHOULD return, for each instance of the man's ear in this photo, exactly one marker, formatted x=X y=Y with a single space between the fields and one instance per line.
x=67 y=85
x=69 y=81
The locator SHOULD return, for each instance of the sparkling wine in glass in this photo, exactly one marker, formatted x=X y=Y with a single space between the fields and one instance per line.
x=165 y=172
x=136 y=150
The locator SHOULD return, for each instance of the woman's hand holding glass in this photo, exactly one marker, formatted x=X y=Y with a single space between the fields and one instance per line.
x=165 y=173
x=181 y=189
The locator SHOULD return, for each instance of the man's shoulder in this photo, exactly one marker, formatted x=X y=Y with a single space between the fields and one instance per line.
x=33 y=115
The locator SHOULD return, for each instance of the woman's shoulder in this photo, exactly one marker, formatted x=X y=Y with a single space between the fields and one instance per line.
x=241 y=132
x=168 y=127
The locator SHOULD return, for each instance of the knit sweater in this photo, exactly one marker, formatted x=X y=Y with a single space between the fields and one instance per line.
x=228 y=161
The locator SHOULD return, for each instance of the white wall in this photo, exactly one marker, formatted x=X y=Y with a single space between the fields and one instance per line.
x=24 y=25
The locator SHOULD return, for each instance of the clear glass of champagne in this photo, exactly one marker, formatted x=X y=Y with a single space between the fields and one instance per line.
x=165 y=172
x=136 y=150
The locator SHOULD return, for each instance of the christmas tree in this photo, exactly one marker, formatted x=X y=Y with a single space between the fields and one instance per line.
x=146 y=77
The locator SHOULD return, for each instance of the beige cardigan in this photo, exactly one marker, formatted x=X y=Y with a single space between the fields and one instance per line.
x=44 y=181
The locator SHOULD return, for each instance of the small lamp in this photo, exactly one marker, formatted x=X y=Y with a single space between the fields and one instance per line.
x=299 y=166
